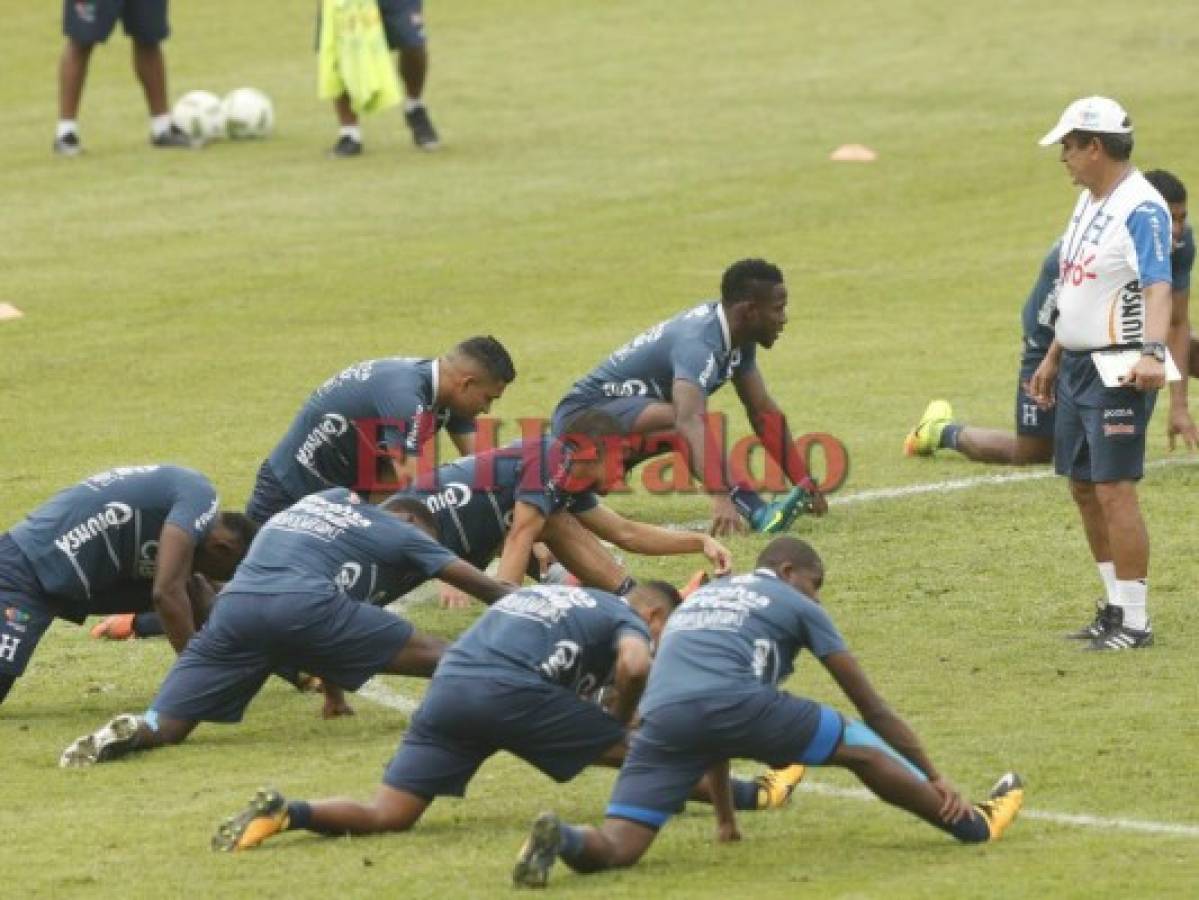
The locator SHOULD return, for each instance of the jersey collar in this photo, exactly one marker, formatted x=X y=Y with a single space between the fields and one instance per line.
x=724 y=326
x=764 y=572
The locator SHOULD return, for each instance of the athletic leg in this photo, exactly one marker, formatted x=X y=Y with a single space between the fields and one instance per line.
x=149 y=65
x=418 y=657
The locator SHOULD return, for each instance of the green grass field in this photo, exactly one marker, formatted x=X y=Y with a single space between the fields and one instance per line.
x=603 y=164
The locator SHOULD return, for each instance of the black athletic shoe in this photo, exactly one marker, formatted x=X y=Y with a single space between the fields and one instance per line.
x=1099 y=625
x=1118 y=636
x=346 y=147
x=174 y=138
x=68 y=145
x=424 y=135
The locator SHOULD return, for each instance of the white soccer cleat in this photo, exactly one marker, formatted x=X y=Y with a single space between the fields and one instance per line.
x=110 y=742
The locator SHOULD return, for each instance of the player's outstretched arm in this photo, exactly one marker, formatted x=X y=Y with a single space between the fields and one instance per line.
x=169 y=593
x=690 y=407
x=769 y=423
x=652 y=540
x=479 y=585
x=1180 y=423
x=527 y=522
x=632 y=670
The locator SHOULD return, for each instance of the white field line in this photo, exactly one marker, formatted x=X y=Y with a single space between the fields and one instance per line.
x=378 y=692
x=1037 y=473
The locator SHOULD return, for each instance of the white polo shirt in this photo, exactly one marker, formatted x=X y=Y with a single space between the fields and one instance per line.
x=1112 y=250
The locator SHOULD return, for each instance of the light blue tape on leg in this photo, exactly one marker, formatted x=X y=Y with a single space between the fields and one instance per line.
x=858 y=734
x=151 y=719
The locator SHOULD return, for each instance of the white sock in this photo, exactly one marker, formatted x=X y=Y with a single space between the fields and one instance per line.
x=1133 y=596
x=411 y=103
x=354 y=132
x=1107 y=571
x=65 y=127
x=160 y=125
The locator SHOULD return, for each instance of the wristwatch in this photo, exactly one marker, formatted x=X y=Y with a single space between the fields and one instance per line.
x=1156 y=349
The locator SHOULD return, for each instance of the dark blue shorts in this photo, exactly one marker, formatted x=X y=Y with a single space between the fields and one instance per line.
x=248 y=636
x=268 y=497
x=25 y=610
x=1100 y=433
x=403 y=23
x=92 y=21
x=1031 y=420
x=677 y=743
x=463 y=721
x=624 y=409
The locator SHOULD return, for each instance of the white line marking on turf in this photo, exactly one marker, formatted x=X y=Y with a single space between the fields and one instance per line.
x=946 y=487
x=1077 y=820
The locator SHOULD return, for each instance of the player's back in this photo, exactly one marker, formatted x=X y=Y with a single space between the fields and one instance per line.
x=734 y=635
x=104 y=530
x=332 y=541
x=564 y=635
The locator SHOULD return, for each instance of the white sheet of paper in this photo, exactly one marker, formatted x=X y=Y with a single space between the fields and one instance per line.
x=1114 y=366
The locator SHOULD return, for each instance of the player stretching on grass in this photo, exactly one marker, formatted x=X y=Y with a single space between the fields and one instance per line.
x=713 y=696
x=1032 y=441
x=658 y=385
x=520 y=680
x=300 y=600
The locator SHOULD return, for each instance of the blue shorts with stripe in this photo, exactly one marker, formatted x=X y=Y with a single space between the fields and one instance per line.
x=678 y=742
x=463 y=721
x=249 y=636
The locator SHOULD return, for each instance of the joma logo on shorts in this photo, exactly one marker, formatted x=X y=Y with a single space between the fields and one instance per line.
x=1117 y=413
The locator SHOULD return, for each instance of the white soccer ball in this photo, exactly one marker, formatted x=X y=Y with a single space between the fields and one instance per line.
x=248 y=114
x=201 y=115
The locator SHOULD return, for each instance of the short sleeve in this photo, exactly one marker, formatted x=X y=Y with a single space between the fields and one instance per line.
x=406 y=546
x=1182 y=260
x=1149 y=227
x=406 y=423
x=195 y=509
x=820 y=635
x=628 y=624
x=695 y=361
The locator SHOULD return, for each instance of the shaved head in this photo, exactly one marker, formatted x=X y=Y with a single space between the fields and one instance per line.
x=788 y=550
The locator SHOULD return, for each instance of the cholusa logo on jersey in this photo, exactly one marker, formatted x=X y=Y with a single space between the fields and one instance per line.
x=114 y=515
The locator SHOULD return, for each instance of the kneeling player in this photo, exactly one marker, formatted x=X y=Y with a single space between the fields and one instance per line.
x=712 y=696
x=127 y=540
x=300 y=600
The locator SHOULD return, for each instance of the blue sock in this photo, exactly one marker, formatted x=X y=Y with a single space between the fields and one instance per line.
x=949 y=436
x=572 y=842
x=747 y=502
x=299 y=814
x=148 y=624
x=971 y=830
x=745 y=794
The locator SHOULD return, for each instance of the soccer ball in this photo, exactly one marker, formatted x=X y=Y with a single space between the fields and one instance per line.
x=248 y=114
x=200 y=114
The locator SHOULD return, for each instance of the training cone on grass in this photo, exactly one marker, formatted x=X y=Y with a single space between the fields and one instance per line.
x=853 y=153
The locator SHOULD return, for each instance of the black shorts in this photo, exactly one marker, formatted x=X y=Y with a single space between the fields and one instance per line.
x=92 y=21
x=1100 y=431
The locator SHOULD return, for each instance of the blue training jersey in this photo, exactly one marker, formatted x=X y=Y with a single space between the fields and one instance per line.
x=320 y=449
x=734 y=636
x=102 y=533
x=693 y=346
x=333 y=541
x=474 y=497
x=1037 y=315
x=566 y=636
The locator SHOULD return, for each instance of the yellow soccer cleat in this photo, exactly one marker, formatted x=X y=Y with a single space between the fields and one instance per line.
x=1006 y=799
x=264 y=817
x=776 y=785
x=926 y=436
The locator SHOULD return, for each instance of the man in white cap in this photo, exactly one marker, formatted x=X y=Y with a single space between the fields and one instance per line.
x=1113 y=296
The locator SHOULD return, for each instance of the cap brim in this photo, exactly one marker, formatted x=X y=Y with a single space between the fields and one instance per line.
x=1058 y=132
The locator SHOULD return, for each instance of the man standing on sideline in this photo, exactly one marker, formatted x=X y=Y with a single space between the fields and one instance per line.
x=89 y=22
x=1032 y=441
x=404 y=26
x=1114 y=294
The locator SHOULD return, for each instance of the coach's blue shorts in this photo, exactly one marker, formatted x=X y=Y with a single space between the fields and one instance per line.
x=92 y=21
x=268 y=497
x=25 y=610
x=463 y=721
x=248 y=636
x=624 y=409
x=678 y=742
x=1100 y=432
x=1031 y=420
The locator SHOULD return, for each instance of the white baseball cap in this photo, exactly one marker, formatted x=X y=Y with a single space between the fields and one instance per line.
x=1099 y=114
